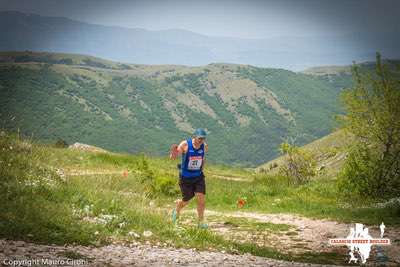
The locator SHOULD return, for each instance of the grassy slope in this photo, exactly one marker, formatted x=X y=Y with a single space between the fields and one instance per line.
x=329 y=151
x=43 y=206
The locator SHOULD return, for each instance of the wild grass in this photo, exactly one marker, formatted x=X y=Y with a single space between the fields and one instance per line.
x=43 y=204
x=248 y=225
x=318 y=199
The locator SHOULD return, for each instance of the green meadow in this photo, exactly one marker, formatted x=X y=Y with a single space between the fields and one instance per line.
x=64 y=196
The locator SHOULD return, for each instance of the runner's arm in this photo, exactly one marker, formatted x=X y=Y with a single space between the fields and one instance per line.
x=204 y=157
x=182 y=147
x=177 y=149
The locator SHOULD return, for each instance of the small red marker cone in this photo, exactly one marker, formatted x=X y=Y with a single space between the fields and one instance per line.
x=241 y=202
x=125 y=173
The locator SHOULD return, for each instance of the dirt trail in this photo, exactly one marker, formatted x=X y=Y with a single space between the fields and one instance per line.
x=113 y=172
x=232 y=178
x=81 y=173
x=306 y=234
x=103 y=172
x=122 y=255
x=314 y=234
x=311 y=233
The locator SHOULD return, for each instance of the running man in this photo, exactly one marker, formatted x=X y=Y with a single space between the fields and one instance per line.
x=191 y=176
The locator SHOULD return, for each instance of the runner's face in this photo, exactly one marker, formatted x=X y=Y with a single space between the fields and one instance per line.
x=200 y=140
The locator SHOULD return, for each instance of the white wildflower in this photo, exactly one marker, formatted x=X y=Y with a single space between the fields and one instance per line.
x=86 y=209
x=31 y=183
x=147 y=233
x=61 y=174
x=95 y=220
x=101 y=221
x=108 y=217
x=76 y=212
x=390 y=203
x=132 y=233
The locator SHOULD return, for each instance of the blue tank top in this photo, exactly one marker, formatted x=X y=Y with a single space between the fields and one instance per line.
x=192 y=161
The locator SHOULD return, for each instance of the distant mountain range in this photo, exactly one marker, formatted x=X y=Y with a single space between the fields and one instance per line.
x=247 y=111
x=21 y=32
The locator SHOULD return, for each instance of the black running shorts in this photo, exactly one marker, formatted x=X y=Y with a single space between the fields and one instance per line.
x=191 y=186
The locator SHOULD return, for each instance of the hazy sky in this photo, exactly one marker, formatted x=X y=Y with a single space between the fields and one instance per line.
x=246 y=19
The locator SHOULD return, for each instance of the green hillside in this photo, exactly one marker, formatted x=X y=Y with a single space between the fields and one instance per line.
x=330 y=152
x=247 y=111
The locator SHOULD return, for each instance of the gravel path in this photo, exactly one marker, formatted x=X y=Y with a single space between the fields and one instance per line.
x=19 y=253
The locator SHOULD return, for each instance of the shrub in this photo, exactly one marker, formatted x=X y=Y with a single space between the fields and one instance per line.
x=61 y=143
x=166 y=186
x=154 y=185
x=299 y=165
x=357 y=177
x=372 y=168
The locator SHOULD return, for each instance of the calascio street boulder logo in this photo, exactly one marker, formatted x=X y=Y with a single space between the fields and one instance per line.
x=360 y=242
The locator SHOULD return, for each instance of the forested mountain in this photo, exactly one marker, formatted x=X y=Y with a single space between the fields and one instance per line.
x=247 y=111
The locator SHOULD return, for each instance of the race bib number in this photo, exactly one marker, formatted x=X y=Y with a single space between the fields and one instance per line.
x=195 y=162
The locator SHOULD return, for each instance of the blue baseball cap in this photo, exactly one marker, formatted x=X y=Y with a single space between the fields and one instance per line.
x=200 y=133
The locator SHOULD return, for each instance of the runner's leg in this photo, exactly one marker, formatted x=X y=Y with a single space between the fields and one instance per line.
x=200 y=191
x=187 y=190
x=200 y=206
x=180 y=204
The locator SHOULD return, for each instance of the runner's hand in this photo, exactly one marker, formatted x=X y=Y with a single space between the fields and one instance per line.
x=173 y=151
